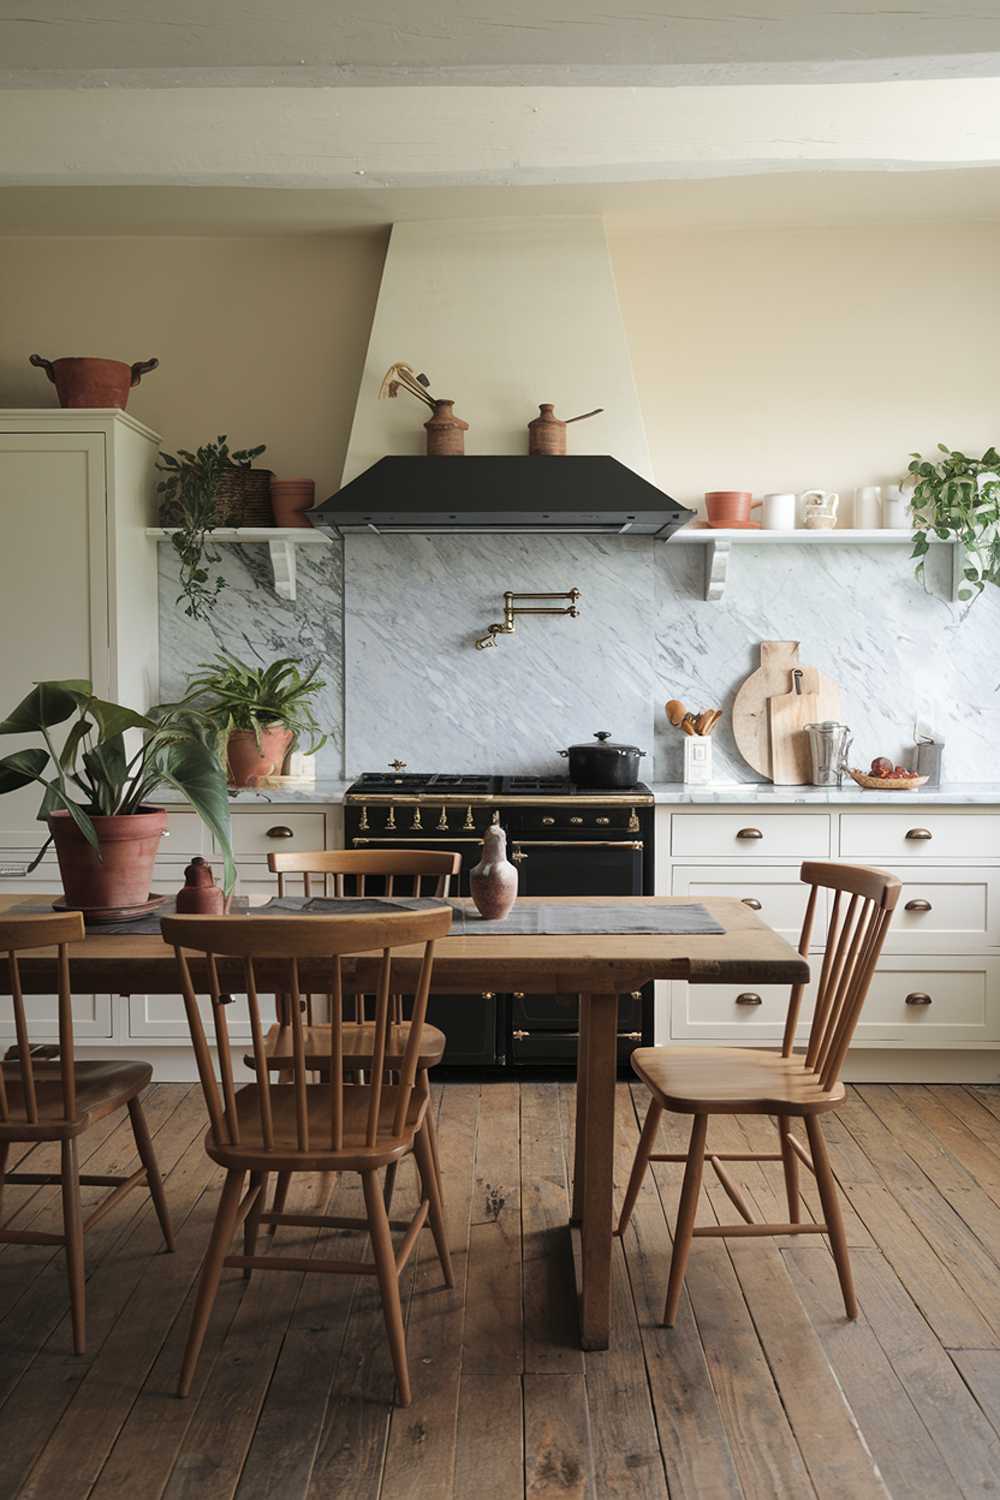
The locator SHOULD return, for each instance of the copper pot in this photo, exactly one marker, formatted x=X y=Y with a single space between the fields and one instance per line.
x=93 y=382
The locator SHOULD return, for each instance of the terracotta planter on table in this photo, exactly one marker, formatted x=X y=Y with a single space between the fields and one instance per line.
x=250 y=762
x=118 y=879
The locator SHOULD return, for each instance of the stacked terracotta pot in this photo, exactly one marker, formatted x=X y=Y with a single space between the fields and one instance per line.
x=290 y=499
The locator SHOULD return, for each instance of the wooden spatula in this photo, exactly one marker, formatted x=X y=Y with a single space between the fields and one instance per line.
x=789 y=713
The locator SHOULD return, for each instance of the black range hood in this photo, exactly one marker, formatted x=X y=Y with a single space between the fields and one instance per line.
x=586 y=495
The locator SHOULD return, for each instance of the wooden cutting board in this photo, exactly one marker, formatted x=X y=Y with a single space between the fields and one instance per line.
x=788 y=715
x=751 y=722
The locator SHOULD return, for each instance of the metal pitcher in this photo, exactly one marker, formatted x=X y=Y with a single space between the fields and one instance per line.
x=829 y=744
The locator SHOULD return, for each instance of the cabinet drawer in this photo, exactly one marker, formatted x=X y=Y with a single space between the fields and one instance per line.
x=944 y=909
x=751 y=834
x=164 y=1018
x=185 y=835
x=731 y=1013
x=775 y=892
x=91 y=1018
x=919 y=833
x=259 y=834
x=963 y=1000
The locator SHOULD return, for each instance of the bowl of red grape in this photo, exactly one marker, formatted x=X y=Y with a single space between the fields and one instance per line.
x=884 y=776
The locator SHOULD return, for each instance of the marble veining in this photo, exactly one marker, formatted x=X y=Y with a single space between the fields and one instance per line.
x=251 y=622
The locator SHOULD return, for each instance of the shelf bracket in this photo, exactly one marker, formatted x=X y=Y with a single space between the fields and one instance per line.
x=282 y=553
x=717 y=556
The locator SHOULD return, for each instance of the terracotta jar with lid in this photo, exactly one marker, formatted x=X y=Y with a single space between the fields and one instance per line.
x=199 y=896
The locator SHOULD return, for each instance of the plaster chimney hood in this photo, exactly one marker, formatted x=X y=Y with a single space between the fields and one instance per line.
x=503 y=314
x=588 y=495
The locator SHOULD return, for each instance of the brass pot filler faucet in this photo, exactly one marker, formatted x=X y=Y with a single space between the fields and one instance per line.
x=511 y=610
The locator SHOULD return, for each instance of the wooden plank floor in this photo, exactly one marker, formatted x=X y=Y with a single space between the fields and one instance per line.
x=762 y=1390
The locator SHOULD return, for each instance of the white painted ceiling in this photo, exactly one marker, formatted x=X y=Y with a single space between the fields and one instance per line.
x=504 y=41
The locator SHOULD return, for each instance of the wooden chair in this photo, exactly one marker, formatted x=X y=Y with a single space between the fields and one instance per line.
x=57 y=1100
x=704 y=1081
x=339 y=873
x=290 y=1125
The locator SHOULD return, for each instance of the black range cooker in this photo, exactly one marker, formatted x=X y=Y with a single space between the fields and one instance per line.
x=565 y=840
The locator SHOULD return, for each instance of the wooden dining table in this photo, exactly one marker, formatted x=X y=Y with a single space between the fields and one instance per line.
x=599 y=967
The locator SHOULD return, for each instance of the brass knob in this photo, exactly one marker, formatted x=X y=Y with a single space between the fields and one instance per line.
x=166 y=833
x=635 y=994
x=576 y=820
x=488 y=995
x=397 y=765
x=602 y=821
x=547 y=822
x=920 y=834
x=518 y=857
x=918 y=904
x=749 y=833
x=519 y=994
x=917 y=997
x=751 y=901
x=749 y=998
x=633 y=820
x=364 y=825
x=630 y=1036
x=279 y=831
x=519 y=1036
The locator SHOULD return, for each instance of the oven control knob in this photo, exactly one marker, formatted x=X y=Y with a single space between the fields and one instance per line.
x=547 y=822
x=633 y=820
x=576 y=820
x=602 y=822
x=470 y=821
x=363 y=825
x=417 y=824
x=390 y=822
x=442 y=823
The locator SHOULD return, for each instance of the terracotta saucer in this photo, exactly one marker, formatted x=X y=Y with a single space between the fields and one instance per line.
x=734 y=526
x=96 y=916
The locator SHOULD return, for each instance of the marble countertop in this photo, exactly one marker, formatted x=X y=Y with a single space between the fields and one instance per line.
x=327 y=792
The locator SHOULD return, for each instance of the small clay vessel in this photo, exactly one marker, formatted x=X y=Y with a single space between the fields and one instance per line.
x=93 y=382
x=445 y=431
x=493 y=882
x=199 y=896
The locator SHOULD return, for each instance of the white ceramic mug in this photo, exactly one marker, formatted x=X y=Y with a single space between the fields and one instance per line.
x=896 y=509
x=868 y=507
x=778 y=513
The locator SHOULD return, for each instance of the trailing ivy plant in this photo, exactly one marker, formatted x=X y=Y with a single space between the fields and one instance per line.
x=957 y=499
x=190 y=501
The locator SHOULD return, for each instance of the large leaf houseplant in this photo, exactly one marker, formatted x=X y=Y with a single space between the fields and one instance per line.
x=957 y=499
x=98 y=785
x=259 y=712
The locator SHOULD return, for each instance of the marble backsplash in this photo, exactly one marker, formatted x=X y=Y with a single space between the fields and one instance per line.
x=393 y=622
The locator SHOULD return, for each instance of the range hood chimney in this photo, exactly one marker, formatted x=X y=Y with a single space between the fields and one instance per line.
x=503 y=314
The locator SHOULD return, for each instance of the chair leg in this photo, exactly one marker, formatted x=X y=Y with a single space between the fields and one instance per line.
x=388 y=1281
x=73 y=1230
x=686 y=1211
x=144 y=1146
x=389 y=1187
x=790 y=1163
x=431 y=1128
x=211 y=1272
x=830 y=1199
x=432 y=1192
x=646 y=1143
x=251 y=1224
x=280 y=1197
x=4 y=1153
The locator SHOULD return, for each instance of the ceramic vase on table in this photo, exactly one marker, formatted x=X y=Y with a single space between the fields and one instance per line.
x=493 y=882
x=199 y=896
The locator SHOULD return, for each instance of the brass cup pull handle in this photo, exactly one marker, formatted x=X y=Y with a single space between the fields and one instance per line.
x=751 y=901
x=748 y=998
x=749 y=833
x=919 y=835
x=918 y=904
x=917 y=997
x=280 y=831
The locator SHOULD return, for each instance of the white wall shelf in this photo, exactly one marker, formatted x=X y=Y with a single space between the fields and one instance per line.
x=719 y=545
x=282 y=543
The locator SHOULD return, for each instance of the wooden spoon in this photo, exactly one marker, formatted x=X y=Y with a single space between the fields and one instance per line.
x=675 y=712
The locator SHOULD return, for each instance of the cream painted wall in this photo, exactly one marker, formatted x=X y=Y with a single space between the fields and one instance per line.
x=262 y=339
x=794 y=358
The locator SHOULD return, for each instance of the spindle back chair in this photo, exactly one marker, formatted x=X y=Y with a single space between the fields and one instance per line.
x=45 y=1098
x=703 y=1081
x=291 y=1124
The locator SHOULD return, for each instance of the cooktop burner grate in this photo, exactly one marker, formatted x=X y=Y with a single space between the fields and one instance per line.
x=429 y=784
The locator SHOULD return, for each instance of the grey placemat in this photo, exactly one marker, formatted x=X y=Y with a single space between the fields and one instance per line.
x=682 y=920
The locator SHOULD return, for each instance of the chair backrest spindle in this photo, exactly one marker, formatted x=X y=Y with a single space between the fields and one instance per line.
x=20 y=1082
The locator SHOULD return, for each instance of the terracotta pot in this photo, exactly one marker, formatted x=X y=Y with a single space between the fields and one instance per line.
x=199 y=896
x=122 y=875
x=445 y=431
x=547 y=434
x=250 y=763
x=290 y=498
x=729 y=507
x=93 y=382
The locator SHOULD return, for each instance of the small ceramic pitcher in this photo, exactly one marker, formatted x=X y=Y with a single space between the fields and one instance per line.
x=493 y=882
x=819 y=509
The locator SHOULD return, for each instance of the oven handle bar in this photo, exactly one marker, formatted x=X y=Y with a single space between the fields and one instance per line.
x=578 y=843
x=426 y=841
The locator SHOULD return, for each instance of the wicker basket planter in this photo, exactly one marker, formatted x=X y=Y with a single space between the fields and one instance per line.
x=242 y=498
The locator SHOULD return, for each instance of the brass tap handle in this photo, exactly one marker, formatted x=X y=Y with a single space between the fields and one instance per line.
x=518 y=857
x=633 y=820
x=917 y=997
x=921 y=835
x=749 y=998
x=442 y=823
x=470 y=821
x=417 y=824
x=364 y=824
x=390 y=822
x=751 y=901
x=918 y=904
x=749 y=833
x=519 y=1036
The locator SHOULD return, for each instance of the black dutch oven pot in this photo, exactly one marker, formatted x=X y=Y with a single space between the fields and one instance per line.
x=611 y=767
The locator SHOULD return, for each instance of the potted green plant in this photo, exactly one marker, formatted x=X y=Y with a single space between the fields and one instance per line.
x=259 y=712
x=98 y=788
x=957 y=499
x=201 y=491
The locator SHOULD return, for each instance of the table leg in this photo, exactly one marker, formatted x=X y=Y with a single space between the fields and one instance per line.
x=580 y=1131
x=596 y=1072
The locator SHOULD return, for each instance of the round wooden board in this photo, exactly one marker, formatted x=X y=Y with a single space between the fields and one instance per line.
x=751 y=729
